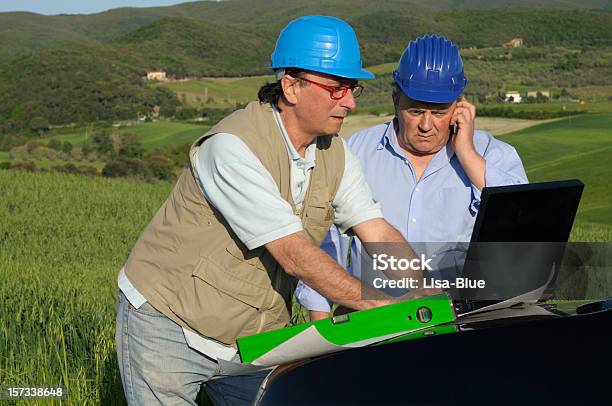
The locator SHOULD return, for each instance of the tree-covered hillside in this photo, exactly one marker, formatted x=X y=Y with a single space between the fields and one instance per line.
x=75 y=84
x=23 y=32
x=190 y=47
x=65 y=69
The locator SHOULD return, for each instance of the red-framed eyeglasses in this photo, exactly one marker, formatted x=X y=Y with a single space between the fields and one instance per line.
x=337 y=92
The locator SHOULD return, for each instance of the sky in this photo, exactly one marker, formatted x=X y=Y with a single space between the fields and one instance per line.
x=52 y=7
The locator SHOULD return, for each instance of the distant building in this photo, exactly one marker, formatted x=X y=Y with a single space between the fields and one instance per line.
x=514 y=43
x=513 y=97
x=534 y=93
x=156 y=75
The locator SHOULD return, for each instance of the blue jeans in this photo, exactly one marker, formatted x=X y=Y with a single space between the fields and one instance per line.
x=158 y=367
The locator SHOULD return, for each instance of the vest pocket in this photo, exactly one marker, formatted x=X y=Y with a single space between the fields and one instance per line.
x=219 y=303
x=234 y=281
x=317 y=221
x=252 y=257
x=320 y=212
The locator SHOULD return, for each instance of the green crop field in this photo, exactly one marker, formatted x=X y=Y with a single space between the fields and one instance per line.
x=152 y=135
x=62 y=242
x=63 y=239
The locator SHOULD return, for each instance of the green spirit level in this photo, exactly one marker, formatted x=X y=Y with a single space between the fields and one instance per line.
x=368 y=326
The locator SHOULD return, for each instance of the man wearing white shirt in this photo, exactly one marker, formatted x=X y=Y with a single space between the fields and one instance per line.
x=222 y=256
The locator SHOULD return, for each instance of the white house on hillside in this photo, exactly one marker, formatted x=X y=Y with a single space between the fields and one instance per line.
x=513 y=97
x=156 y=75
x=514 y=43
x=534 y=93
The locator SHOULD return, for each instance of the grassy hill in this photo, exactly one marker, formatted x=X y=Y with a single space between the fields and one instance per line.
x=567 y=4
x=200 y=47
x=576 y=147
x=375 y=22
x=215 y=92
x=93 y=64
x=65 y=237
x=573 y=147
x=485 y=77
x=191 y=47
x=152 y=135
x=24 y=33
x=75 y=84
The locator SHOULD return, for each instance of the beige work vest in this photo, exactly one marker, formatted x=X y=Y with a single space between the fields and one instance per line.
x=190 y=265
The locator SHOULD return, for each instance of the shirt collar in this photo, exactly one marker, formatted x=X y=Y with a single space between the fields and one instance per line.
x=309 y=159
x=388 y=142
x=384 y=139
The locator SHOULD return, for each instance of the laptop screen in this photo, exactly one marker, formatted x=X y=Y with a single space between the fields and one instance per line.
x=538 y=212
x=518 y=240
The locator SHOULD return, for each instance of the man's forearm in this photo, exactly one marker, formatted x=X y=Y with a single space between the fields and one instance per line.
x=300 y=258
x=474 y=166
x=379 y=231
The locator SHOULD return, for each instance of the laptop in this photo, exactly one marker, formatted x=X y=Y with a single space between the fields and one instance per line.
x=518 y=242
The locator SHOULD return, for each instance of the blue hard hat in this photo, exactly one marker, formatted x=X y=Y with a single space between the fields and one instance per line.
x=431 y=70
x=320 y=44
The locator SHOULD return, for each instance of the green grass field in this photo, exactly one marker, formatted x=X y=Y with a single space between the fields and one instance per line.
x=602 y=106
x=152 y=135
x=577 y=147
x=63 y=239
x=218 y=92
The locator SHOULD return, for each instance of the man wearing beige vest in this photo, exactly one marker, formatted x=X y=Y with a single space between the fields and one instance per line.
x=222 y=256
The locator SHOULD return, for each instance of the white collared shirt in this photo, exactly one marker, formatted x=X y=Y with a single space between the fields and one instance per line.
x=237 y=184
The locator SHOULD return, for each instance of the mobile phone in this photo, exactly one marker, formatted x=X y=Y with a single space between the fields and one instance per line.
x=453 y=129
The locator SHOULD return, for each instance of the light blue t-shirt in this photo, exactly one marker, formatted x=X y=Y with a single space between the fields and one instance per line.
x=440 y=207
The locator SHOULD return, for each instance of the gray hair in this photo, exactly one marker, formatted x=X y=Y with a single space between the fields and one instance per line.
x=396 y=92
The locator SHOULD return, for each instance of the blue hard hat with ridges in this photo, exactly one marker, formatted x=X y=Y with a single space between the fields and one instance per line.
x=320 y=44
x=431 y=70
